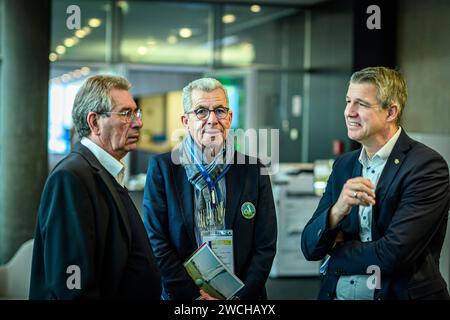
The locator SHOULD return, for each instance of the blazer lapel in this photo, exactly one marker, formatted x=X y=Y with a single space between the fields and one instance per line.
x=106 y=178
x=393 y=164
x=235 y=177
x=185 y=196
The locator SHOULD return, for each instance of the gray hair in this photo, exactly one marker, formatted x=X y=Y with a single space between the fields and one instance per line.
x=203 y=84
x=390 y=84
x=94 y=96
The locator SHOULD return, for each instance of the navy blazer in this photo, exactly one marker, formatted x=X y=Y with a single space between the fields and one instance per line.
x=169 y=219
x=409 y=223
x=82 y=222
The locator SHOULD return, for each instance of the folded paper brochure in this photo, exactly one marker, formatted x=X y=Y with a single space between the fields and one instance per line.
x=211 y=275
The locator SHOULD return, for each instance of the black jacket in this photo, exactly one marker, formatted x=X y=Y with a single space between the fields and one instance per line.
x=409 y=223
x=82 y=222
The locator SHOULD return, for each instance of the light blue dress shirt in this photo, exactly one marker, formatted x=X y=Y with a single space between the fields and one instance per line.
x=355 y=287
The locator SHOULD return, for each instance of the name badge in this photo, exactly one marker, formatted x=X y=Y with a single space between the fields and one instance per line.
x=221 y=243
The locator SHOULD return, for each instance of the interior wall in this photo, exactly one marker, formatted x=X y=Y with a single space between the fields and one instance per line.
x=423 y=56
x=331 y=64
x=423 y=53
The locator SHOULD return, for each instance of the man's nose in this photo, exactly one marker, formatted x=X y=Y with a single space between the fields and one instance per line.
x=350 y=110
x=137 y=123
x=212 y=118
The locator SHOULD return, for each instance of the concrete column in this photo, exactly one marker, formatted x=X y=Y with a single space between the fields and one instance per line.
x=23 y=118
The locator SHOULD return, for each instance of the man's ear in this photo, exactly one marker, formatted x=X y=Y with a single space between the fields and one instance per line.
x=231 y=116
x=92 y=121
x=184 y=121
x=393 y=112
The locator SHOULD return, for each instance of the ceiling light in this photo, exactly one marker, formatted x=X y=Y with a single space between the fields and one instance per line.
x=255 y=8
x=85 y=71
x=65 y=77
x=229 y=18
x=60 y=49
x=52 y=57
x=69 y=42
x=185 y=32
x=77 y=74
x=80 y=33
x=86 y=30
x=94 y=22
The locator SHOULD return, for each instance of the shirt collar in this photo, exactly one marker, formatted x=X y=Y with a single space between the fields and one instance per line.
x=383 y=153
x=112 y=165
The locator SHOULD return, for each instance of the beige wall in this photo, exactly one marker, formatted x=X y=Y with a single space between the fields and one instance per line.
x=161 y=115
x=174 y=113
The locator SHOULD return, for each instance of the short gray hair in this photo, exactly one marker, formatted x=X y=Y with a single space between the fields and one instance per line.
x=390 y=84
x=203 y=84
x=95 y=96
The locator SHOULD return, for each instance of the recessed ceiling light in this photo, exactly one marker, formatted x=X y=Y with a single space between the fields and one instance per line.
x=229 y=18
x=60 y=49
x=52 y=57
x=80 y=33
x=86 y=30
x=69 y=42
x=94 y=22
x=85 y=71
x=255 y=8
x=185 y=32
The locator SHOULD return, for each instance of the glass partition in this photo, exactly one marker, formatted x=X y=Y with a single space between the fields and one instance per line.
x=166 y=33
x=262 y=35
x=88 y=43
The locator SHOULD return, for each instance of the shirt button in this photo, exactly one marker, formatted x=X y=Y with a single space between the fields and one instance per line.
x=352 y=282
x=367 y=238
x=364 y=218
x=373 y=171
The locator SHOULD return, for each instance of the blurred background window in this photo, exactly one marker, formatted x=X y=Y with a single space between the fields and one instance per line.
x=166 y=33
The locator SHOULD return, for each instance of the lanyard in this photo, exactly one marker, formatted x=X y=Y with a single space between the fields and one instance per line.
x=211 y=185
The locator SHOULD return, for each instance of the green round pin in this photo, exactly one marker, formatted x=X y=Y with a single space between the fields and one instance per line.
x=248 y=210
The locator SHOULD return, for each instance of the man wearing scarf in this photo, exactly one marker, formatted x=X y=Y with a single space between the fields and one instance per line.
x=206 y=185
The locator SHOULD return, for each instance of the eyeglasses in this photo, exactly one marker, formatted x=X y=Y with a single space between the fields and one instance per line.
x=203 y=113
x=129 y=115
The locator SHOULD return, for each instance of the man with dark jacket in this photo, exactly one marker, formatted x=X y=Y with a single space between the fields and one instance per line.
x=383 y=216
x=202 y=186
x=90 y=242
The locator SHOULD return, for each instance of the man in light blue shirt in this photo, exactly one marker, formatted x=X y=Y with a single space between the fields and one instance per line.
x=383 y=216
x=355 y=286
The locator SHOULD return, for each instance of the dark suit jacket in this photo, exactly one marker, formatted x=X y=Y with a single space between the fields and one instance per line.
x=408 y=224
x=169 y=210
x=82 y=222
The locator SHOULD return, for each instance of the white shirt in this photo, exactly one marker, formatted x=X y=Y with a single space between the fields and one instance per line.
x=112 y=165
x=355 y=287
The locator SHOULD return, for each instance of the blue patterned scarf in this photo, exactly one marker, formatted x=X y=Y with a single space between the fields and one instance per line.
x=194 y=160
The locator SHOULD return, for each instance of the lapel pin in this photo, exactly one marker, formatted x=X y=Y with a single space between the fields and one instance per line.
x=248 y=210
x=396 y=161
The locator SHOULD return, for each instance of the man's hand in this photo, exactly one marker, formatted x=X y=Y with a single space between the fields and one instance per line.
x=206 y=296
x=355 y=192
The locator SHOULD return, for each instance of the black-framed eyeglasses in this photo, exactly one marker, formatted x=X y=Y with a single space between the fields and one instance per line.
x=129 y=115
x=203 y=113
